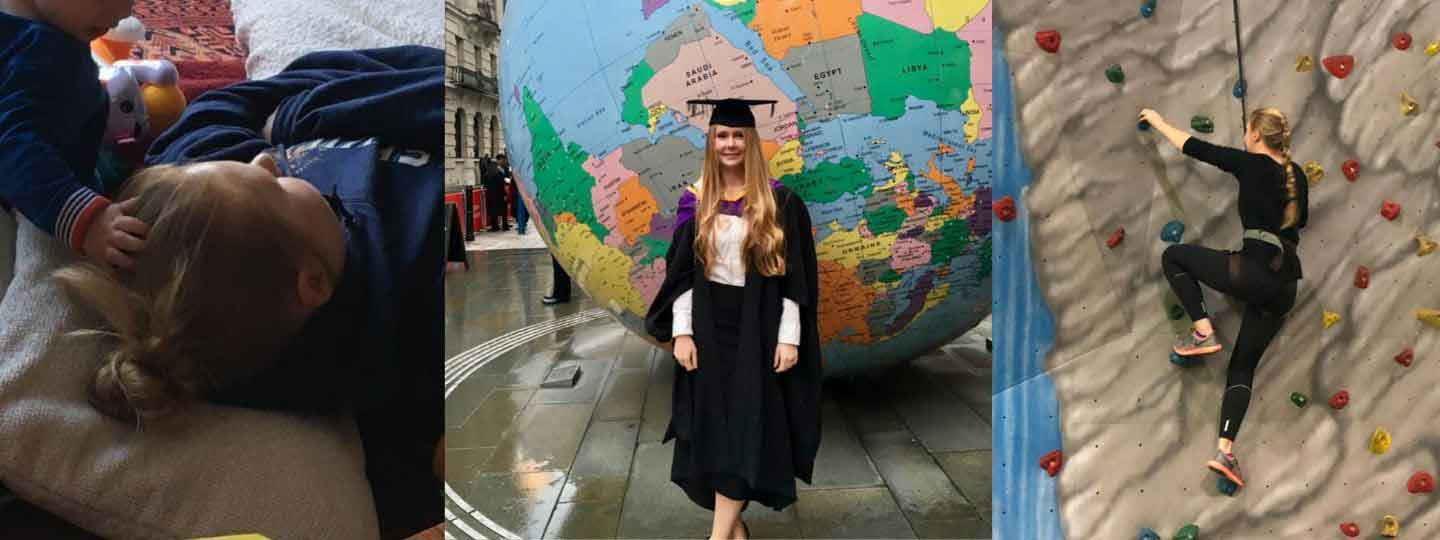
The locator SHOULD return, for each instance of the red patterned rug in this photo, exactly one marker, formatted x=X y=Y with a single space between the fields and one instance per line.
x=198 y=36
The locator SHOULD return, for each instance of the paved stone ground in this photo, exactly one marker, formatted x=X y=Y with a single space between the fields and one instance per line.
x=904 y=454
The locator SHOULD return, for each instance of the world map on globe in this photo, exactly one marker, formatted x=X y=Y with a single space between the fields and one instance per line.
x=882 y=126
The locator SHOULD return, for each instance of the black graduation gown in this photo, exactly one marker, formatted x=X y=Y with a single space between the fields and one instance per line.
x=741 y=428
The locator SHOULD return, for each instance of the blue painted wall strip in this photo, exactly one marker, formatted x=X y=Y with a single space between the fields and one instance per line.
x=1026 y=412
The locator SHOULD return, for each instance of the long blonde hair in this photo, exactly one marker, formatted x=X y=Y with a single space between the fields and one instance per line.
x=764 y=247
x=1274 y=129
x=209 y=302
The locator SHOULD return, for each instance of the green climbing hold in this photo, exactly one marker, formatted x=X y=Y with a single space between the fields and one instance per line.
x=1147 y=8
x=1115 y=73
x=1143 y=126
x=1185 y=361
x=1224 y=485
x=1173 y=232
x=1203 y=124
x=1299 y=399
x=1176 y=312
x=1148 y=534
x=1188 y=532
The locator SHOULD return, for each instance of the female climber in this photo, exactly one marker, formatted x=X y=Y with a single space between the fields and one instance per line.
x=739 y=301
x=1273 y=206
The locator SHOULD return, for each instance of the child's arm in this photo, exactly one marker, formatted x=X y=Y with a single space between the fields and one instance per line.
x=40 y=184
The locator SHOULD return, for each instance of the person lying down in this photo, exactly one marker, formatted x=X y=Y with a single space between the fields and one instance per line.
x=236 y=261
x=293 y=263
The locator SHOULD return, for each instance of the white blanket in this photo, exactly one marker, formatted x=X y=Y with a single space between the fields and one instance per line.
x=277 y=32
x=211 y=471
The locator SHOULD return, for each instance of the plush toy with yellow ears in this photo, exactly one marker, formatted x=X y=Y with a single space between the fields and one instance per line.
x=145 y=96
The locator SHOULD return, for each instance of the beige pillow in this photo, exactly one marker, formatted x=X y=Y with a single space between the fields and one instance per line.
x=211 y=471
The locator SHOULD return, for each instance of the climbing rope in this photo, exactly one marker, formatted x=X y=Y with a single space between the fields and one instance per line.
x=1240 y=59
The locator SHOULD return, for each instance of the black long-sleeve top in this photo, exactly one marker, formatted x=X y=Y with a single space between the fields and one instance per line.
x=1262 y=199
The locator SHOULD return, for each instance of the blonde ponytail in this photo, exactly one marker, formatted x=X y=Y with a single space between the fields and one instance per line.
x=1274 y=129
x=143 y=378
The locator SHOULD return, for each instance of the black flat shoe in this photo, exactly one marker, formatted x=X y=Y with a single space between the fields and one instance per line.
x=551 y=300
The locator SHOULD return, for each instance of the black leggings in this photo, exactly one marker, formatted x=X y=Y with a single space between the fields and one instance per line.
x=1267 y=300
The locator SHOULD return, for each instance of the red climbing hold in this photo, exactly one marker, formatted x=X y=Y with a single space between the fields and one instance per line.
x=1005 y=208
x=1405 y=357
x=1402 y=41
x=1051 y=462
x=1115 y=238
x=1340 y=400
x=1421 y=482
x=1048 y=40
x=1362 y=278
x=1351 y=169
x=1390 y=210
x=1339 y=65
x=1350 y=529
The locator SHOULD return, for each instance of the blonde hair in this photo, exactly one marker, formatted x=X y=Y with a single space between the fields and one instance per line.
x=764 y=246
x=1274 y=130
x=210 y=301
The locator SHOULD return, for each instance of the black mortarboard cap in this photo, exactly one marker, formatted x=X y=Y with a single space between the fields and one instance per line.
x=731 y=112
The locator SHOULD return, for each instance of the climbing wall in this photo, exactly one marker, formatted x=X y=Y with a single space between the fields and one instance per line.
x=1135 y=430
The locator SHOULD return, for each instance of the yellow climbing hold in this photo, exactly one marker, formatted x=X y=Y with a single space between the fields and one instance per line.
x=1330 y=318
x=1428 y=316
x=1433 y=48
x=1427 y=246
x=1304 y=64
x=1390 y=526
x=1408 y=105
x=1314 y=172
x=1380 y=441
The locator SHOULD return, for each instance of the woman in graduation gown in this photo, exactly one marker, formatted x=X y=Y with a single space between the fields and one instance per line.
x=739 y=301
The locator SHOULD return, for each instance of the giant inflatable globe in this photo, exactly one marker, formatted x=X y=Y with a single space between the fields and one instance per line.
x=882 y=127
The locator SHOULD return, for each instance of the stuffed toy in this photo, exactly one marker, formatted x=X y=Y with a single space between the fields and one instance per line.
x=145 y=99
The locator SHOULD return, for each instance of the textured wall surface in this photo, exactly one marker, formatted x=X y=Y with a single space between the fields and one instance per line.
x=1136 y=431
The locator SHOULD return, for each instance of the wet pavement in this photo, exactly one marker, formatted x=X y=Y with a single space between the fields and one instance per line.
x=904 y=453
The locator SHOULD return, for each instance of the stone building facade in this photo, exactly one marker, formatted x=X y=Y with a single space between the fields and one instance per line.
x=472 y=101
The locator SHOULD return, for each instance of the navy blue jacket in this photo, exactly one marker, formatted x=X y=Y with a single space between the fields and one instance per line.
x=365 y=128
x=52 y=119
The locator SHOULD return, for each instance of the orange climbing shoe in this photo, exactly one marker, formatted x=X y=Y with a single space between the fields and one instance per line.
x=1193 y=345
x=1225 y=464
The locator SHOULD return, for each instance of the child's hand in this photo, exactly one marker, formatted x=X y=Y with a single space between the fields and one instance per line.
x=115 y=236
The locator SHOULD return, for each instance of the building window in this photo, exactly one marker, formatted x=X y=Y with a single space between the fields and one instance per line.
x=477 y=57
x=459 y=132
x=475 y=127
x=459 y=51
x=494 y=66
x=494 y=136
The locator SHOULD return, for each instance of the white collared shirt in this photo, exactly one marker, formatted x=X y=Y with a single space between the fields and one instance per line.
x=728 y=267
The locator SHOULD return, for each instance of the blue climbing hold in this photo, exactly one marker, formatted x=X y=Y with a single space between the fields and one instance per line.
x=1144 y=126
x=1239 y=90
x=1173 y=232
x=1147 y=8
x=1226 y=486
x=1148 y=534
